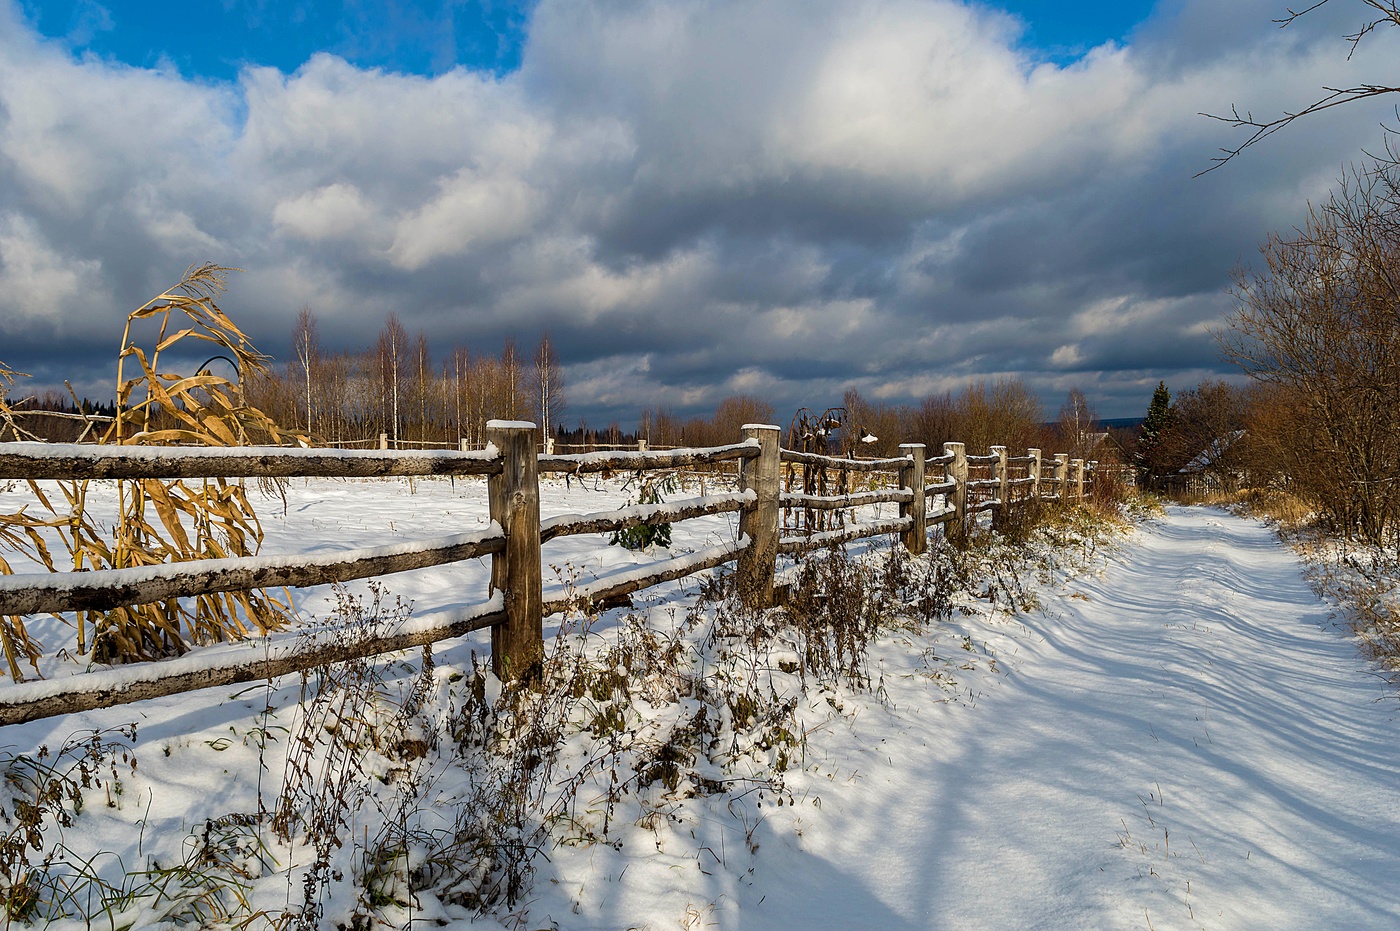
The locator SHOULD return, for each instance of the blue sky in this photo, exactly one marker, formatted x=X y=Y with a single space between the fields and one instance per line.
x=698 y=198
x=213 y=39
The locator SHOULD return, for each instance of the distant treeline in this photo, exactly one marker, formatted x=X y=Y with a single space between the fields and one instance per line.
x=395 y=387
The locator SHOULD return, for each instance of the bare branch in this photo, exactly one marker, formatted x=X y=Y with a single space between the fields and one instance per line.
x=1388 y=13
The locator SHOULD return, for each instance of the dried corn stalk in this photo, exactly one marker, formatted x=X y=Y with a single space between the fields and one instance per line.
x=161 y=521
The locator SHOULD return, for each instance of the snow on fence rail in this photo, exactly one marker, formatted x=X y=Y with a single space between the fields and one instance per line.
x=515 y=605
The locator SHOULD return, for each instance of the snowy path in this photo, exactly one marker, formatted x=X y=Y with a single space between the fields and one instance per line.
x=1191 y=717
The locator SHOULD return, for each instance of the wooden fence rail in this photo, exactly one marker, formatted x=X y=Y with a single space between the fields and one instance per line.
x=930 y=491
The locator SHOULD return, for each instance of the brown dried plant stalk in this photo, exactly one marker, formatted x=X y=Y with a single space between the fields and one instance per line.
x=162 y=521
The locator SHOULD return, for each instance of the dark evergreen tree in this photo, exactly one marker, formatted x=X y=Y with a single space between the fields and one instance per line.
x=1154 y=426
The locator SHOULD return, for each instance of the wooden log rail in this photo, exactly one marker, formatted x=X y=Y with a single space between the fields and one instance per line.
x=638 y=515
x=52 y=593
x=229 y=664
x=851 y=500
x=789 y=545
x=516 y=606
x=633 y=580
x=581 y=463
x=852 y=465
x=71 y=461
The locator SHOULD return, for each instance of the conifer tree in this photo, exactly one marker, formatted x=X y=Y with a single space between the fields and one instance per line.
x=1154 y=426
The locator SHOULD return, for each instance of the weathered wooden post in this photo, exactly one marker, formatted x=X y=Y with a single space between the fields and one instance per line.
x=1091 y=469
x=911 y=476
x=1000 y=515
x=641 y=446
x=956 y=472
x=1078 y=467
x=1062 y=476
x=1034 y=471
x=517 y=646
x=383 y=441
x=759 y=523
x=464 y=445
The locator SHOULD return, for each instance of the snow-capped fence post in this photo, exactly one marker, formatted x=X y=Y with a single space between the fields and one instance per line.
x=1062 y=476
x=1091 y=468
x=911 y=476
x=1033 y=471
x=759 y=523
x=1003 y=489
x=956 y=472
x=517 y=646
x=1077 y=465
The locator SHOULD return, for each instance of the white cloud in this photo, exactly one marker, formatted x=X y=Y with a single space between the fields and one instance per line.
x=470 y=211
x=38 y=283
x=880 y=193
x=336 y=211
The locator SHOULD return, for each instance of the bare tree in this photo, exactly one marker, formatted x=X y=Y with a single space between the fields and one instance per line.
x=1005 y=413
x=1380 y=13
x=934 y=422
x=455 y=375
x=1321 y=325
x=390 y=356
x=549 y=385
x=731 y=415
x=1207 y=433
x=1078 y=425
x=308 y=354
x=511 y=397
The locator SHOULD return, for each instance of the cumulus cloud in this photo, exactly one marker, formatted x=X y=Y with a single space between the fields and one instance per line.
x=785 y=198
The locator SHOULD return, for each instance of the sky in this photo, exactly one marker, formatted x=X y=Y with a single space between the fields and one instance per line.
x=697 y=198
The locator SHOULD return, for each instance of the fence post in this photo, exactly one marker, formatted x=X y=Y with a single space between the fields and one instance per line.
x=463 y=445
x=1062 y=476
x=641 y=446
x=1078 y=465
x=911 y=476
x=1034 y=470
x=760 y=523
x=956 y=472
x=383 y=441
x=517 y=646
x=1003 y=488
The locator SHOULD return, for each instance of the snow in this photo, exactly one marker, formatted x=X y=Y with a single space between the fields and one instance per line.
x=92 y=451
x=641 y=457
x=688 y=562
x=66 y=581
x=662 y=510
x=1179 y=737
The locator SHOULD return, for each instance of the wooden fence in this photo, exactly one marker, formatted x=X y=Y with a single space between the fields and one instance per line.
x=515 y=605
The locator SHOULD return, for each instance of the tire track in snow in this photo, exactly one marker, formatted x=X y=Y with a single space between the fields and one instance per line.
x=1191 y=716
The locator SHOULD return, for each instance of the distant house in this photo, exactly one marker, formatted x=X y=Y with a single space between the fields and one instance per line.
x=1211 y=470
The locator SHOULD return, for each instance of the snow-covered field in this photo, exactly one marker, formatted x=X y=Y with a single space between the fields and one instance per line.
x=1178 y=737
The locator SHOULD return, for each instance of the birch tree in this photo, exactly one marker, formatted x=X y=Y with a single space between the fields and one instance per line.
x=308 y=355
x=549 y=385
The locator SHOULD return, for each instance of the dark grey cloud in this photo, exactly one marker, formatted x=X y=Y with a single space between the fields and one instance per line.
x=786 y=198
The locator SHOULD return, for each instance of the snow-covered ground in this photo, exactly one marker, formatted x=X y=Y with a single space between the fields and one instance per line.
x=1178 y=737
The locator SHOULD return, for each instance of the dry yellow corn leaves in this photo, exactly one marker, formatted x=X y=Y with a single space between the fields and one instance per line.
x=158 y=521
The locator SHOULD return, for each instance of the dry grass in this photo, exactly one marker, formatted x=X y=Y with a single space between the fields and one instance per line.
x=158 y=521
